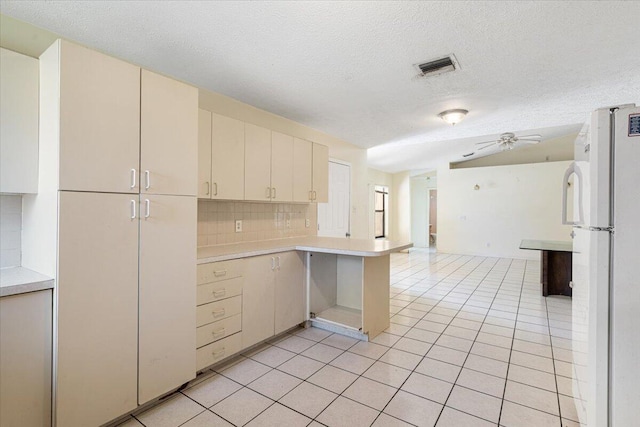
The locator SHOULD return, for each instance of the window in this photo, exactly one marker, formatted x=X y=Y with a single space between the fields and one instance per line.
x=381 y=205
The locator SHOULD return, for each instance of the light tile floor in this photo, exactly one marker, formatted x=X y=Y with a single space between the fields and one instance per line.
x=472 y=343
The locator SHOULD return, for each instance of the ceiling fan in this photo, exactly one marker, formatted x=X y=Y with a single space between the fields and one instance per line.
x=506 y=141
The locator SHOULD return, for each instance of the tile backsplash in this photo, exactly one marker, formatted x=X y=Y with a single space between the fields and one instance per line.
x=10 y=231
x=260 y=221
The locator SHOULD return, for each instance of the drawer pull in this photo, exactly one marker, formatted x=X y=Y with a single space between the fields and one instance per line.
x=218 y=353
x=220 y=331
x=219 y=293
x=220 y=273
x=218 y=313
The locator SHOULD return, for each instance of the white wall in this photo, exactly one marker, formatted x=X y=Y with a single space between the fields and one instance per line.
x=400 y=201
x=514 y=202
x=338 y=149
x=10 y=230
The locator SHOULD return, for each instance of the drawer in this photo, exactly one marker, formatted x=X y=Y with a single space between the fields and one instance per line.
x=216 y=271
x=218 y=330
x=218 y=310
x=219 y=290
x=215 y=352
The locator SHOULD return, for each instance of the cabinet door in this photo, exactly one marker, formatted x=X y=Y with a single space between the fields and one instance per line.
x=258 y=300
x=167 y=319
x=320 y=173
x=99 y=121
x=204 y=154
x=282 y=167
x=257 y=163
x=97 y=361
x=25 y=359
x=168 y=136
x=289 y=291
x=227 y=158
x=302 y=170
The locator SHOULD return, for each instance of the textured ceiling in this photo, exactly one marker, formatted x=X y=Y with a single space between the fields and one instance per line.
x=346 y=68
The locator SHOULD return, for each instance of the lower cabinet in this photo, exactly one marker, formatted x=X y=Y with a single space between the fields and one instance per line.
x=25 y=359
x=125 y=331
x=273 y=298
x=219 y=311
x=246 y=301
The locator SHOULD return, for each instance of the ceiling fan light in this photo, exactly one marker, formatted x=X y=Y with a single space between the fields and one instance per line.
x=453 y=116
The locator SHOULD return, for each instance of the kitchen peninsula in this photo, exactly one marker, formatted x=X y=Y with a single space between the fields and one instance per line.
x=336 y=284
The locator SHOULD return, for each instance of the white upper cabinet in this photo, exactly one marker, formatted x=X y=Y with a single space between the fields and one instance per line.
x=204 y=154
x=281 y=167
x=227 y=158
x=302 y=170
x=18 y=123
x=257 y=163
x=99 y=121
x=320 y=173
x=168 y=136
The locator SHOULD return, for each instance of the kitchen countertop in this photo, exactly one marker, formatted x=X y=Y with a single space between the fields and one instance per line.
x=331 y=245
x=20 y=280
x=547 y=245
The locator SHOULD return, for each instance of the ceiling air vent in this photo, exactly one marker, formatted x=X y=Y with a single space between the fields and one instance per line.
x=438 y=66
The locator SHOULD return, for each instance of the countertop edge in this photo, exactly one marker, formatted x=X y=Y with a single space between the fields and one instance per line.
x=24 y=288
x=301 y=247
x=21 y=280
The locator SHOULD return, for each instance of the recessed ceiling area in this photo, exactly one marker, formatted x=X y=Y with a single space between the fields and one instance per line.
x=348 y=68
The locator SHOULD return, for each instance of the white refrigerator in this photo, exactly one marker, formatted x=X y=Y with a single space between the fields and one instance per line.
x=605 y=184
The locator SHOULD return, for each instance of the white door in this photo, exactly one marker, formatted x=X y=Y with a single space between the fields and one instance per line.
x=333 y=217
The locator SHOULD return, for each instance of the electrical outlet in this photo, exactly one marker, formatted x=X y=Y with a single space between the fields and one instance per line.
x=288 y=223
x=238 y=225
x=307 y=223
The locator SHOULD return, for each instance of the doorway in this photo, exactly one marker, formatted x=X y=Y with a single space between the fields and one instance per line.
x=433 y=217
x=334 y=216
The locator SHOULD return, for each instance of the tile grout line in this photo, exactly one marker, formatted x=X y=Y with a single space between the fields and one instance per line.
x=425 y=355
x=474 y=341
x=506 y=378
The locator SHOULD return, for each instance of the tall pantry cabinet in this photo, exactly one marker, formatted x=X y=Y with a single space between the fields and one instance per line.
x=119 y=172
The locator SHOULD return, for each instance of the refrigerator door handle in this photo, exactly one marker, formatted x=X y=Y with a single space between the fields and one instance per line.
x=572 y=169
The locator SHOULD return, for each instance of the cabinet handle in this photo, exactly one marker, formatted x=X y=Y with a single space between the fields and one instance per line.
x=273 y=263
x=218 y=313
x=273 y=195
x=278 y=265
x=268 y=193
x=310 y=195
x=208 y=188
x=133 y=209
x=219 y=273
x=133 y=178
x=219 y=293
x=221 y=331
x=314 y=194
x=215 y=186
x=147 y=178
x=147 y=208
x=218 y=353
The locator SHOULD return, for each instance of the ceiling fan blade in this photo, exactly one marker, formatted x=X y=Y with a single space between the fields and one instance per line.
x=482 y=148
x=468 y=154
x=529 y=141
x=486 y=142
x=529 y=137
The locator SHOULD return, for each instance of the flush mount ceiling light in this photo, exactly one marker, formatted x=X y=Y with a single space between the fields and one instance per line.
x=453 y=116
